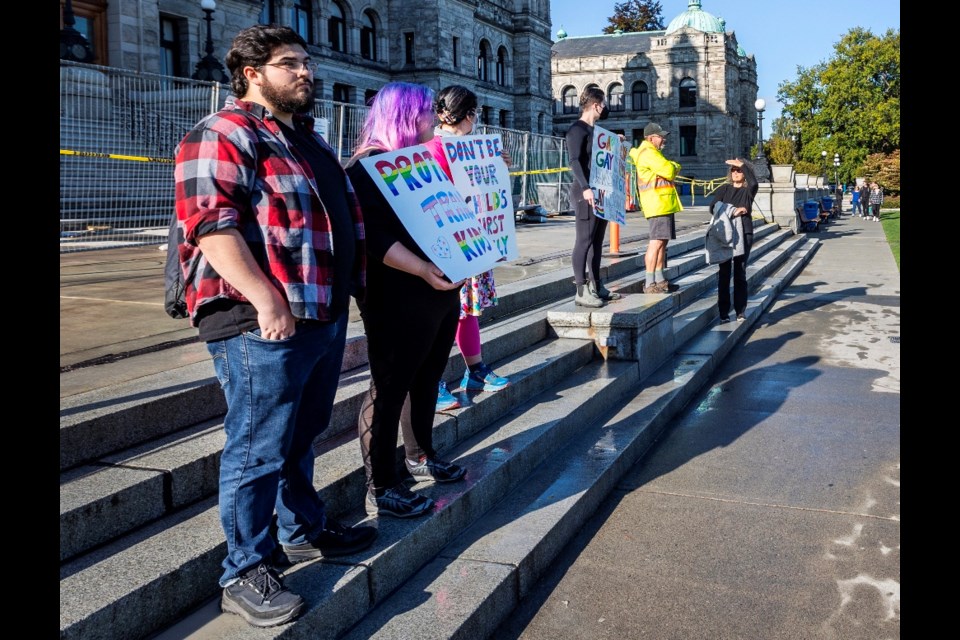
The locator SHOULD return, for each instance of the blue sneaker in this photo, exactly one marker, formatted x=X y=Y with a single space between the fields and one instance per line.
x=483 y=378
x=445 y=399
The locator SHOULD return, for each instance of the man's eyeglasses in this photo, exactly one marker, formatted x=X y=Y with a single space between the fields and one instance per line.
x=294 y=66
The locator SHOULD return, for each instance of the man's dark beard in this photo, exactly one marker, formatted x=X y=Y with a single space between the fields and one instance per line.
x=285 y=100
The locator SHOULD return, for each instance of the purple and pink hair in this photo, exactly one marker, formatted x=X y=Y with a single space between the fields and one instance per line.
x=396 y=117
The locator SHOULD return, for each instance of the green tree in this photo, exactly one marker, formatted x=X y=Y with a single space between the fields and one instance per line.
x=635 y=15
x=849 y=104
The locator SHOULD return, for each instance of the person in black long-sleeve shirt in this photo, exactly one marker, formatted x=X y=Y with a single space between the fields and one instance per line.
x=739 y=192
x=590 y=229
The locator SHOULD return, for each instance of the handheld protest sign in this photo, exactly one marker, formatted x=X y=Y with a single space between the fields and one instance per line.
x=483 y=179
x=433 y=211
x=608 y=176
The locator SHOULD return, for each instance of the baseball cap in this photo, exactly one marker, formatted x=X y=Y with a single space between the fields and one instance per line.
x=653 y=129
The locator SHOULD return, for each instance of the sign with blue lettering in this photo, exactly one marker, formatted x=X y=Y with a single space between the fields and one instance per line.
x=432 y=210
x=608 y=176
x=483 y=179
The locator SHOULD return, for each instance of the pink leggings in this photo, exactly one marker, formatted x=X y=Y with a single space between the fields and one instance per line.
x=468 y=336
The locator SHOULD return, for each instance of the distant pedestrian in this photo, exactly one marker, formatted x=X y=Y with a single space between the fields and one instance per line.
x=855 y=209
x=876 y=199
x=865 y=199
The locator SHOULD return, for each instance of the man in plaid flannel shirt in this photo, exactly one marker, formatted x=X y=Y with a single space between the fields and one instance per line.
x=272 y=248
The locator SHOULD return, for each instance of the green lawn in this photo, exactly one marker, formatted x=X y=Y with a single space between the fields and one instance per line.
x=890 y=220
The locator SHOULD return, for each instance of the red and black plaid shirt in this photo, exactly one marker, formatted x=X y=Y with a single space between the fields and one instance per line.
x=235 y=170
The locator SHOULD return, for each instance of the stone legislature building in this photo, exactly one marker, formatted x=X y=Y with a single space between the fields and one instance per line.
x=499 y=48
x=693 y=78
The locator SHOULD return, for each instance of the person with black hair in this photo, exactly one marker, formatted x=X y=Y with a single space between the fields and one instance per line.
x=456 y=109
x=261 y=202
x=589 y=228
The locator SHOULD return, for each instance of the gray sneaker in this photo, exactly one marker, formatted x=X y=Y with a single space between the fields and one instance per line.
x=435 y=469
x=260 y=598
x=398 y=502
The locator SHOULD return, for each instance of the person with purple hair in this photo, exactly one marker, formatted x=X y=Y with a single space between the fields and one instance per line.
x=410 y=316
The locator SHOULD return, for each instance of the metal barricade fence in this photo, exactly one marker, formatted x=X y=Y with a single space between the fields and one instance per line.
x=119 y=129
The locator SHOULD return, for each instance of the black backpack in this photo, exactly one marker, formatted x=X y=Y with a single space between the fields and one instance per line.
x=174 y=298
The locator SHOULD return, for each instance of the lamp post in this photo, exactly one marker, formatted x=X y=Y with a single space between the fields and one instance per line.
x=73 y=46
x=761 y=167
x=836 y=170
x=209 y=68
x=823 y=160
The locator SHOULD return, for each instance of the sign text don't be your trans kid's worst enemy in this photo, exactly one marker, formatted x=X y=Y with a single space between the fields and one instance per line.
x=482 y=178
x=432 y=210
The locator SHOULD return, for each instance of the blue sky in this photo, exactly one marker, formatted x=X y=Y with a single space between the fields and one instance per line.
x=780 y=34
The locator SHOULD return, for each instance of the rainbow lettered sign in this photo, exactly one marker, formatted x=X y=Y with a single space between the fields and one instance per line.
x=608 y=176
x=482 y=178
x=433 y=211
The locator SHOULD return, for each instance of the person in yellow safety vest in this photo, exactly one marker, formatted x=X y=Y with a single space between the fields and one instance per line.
x=658 y=200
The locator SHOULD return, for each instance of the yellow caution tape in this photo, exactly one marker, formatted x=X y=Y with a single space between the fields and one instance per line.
x=113 y=156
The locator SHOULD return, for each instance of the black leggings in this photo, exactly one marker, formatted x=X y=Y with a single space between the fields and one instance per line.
x=588 y=244
x=408 y=345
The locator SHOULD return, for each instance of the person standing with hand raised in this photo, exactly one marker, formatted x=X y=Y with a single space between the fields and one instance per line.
x=739 y=191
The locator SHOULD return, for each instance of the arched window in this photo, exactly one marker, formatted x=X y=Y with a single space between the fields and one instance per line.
x=570 y=102
x=302 y=20
x=483 y=55
x=615 y=97
x=688 y=92
x=641 y=97
x=541 y=118
x=501 y=66
x=504 y=119
x=368 y=36
x=337 y=28
x=268 y=12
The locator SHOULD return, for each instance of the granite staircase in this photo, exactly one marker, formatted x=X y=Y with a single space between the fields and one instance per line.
x=140 y=538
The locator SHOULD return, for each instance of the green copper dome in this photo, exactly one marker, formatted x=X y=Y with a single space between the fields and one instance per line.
x=561 y=34
x=696 y=18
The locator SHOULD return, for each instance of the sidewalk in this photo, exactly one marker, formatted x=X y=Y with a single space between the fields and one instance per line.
x=771 y=507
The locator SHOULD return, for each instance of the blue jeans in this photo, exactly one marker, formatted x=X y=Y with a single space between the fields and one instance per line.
x=280 y=397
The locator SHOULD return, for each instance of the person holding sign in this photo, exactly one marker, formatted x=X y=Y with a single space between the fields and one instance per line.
x=456 y=109
x=739 y=191
x=409 y=315
x=590 y=229
x=659 y=201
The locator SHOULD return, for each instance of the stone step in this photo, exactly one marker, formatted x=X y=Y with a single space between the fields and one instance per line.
x=176 y=558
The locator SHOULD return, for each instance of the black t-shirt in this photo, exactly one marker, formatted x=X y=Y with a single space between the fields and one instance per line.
x=579 y=145
x=225 y=318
